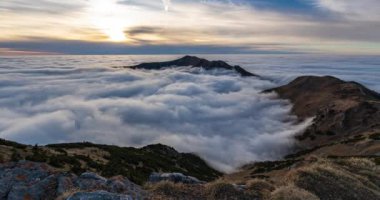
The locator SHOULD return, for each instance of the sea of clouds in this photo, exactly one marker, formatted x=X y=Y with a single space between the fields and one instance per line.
x=216 y=114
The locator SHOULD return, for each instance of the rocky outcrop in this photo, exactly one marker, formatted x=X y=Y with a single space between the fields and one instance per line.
x=26 y=180
x=193 y=62
x=173 y=177
x=340 y=109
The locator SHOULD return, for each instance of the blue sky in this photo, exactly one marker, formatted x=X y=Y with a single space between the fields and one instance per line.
x=184 y=26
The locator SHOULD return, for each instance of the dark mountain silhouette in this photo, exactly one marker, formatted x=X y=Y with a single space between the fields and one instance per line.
x=193 y=61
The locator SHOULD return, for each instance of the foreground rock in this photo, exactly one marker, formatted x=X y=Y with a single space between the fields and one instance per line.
x=340 y=109
x=27 y=180
x=193 y=62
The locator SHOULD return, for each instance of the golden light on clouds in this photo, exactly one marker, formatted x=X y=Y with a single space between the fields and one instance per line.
x=180 y=22
x=104 y=15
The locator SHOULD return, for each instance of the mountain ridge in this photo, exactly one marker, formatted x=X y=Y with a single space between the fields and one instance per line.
x=193 y=61
x=340 y=108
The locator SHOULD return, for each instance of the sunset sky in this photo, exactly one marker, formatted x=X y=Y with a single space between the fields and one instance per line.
x=189 y=26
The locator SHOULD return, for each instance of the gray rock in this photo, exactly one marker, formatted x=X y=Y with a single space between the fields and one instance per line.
x=91 y=181
x=98 y=195
x=173 y=177
x=45 y=189
x=65 y=183
x=30 y=180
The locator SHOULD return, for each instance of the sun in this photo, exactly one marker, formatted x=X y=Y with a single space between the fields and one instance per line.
x=116 y=35
x=104 y=15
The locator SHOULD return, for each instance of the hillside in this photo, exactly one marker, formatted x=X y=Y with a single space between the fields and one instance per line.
x=134 y=163
x=338 y=156
x=340 y=109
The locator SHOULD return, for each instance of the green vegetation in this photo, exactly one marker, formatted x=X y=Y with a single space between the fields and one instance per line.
x=15 y=155
x=38 y=155
x=12 y=144
x=136 y=164
x=375 y=136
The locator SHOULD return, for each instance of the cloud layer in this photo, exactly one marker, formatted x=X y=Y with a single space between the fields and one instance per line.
x=216 y=114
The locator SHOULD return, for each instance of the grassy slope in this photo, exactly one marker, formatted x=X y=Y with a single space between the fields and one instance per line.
x=134 y=163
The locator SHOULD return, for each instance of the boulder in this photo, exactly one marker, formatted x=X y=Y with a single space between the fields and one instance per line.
x=26 y=180
x=98 y=195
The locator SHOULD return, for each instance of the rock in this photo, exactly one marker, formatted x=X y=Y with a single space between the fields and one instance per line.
x=44 y=189
x=29 y=180
x=98 y=195
x=193 y=61
x=65 y=183
x=239 y=187
x=173 y=177
x=89 y=180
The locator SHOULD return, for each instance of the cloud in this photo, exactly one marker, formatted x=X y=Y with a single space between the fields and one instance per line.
x=96 y=48
x=217 y=114
x=167 y=4
x=364 y=10
x=306 y=26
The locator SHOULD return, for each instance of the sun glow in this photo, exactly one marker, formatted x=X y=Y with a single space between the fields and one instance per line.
x=104 y=15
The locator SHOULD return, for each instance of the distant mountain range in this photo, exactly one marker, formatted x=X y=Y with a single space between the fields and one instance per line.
x=337 y=157
x=192 y=61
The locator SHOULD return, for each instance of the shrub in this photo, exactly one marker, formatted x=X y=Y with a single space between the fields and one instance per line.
x=15 y=157
x=12 y=144
x=375 y=136
x=38 y=155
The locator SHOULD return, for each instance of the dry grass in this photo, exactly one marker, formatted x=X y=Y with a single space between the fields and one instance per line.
x=260 y=187
x=173 y=191
x=220 y=190
x=292 y=192
x=329 y=180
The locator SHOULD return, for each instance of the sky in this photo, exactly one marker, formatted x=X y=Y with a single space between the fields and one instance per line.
x=189 y=26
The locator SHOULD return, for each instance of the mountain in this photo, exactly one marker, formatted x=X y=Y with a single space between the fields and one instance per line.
x=337 y=157
x=340 y=109
x=339 y=154
x=193 y=61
